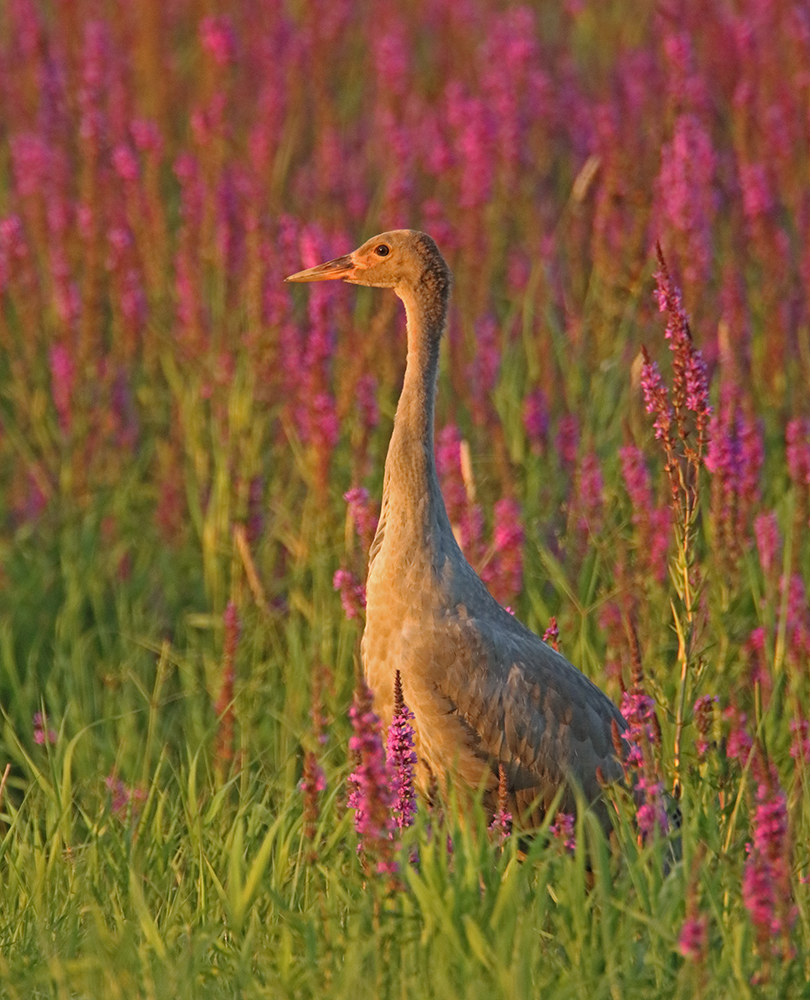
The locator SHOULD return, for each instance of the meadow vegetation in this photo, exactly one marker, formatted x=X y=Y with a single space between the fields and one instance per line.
x=179 y=431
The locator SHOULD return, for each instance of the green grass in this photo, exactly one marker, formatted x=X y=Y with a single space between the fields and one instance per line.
x=119 y=541
x=207 y=887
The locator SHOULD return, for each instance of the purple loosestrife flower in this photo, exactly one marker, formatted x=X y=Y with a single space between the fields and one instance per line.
x=552 y=634
x=697 y=385
x=472 y=127
x=501 y=825
x=656 y=400
x=124 y=800
x=734 y=458
x=769 y=540
x=448 y=464
x=401 y=757
x=218 y=39
x=352 y=593
x=642 y=734
x=314 y=780
x=563 y=829
x=693 y=939
x=639 y=711
x=690 y=389
x=392 y=56
x=504 y=573
x=32 y=162
x=482 y=374
x=42 y=732
x=146 y=136
x=464 y=514
x=739 y=743
x=362 y=514
x=756 y=193
x=371 y=796
x=685 y=85
x=686 y=192
x=652 y=812
x=125 y=162
x=766 y=880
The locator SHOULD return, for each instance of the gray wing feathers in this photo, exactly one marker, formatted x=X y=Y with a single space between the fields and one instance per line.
x=528 y=707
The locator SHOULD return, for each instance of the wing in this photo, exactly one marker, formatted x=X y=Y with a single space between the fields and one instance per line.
x=525 y=706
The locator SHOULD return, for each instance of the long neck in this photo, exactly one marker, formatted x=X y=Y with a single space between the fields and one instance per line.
x=411 y=483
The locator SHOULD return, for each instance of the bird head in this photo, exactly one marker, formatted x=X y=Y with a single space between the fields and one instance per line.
x=400 y=259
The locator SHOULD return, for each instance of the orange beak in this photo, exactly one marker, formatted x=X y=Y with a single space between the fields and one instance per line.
x=341 y=267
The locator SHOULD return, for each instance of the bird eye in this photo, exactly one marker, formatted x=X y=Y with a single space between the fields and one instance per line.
x=382 y=250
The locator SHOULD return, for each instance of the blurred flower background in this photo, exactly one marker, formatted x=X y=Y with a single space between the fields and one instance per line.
x=191 y=459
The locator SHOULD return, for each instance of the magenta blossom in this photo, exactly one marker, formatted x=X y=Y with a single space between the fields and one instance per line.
x=552 y=634
x=42 y=732
x=769 y=540
x=739 y=743
x=352 y=593
x=504 y=574
x=656 y=399
x=362 y=514
x=766 y=880
x=401 y=758
x=501 y=825
x=371 y=796
x=563 y=829
x=692 y=941
x=124 y=800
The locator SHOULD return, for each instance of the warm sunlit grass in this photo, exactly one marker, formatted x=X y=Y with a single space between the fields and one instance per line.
x=178 y=430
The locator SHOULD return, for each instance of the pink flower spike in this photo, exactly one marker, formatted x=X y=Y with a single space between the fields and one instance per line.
x=42 y=733
x=739 y=742
x=401 y=758
x=362 y=514
x=769 y=540
x=552 y=634
x=218 y=39
x=352 y=593
x=124 y=801
x=370 y=796
x=501 y=825
x=563 y=829
x=692 y=941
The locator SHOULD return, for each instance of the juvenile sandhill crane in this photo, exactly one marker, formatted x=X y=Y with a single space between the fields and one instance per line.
x=487 y=694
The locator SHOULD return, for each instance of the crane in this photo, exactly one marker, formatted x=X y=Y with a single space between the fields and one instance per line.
x=489 y=697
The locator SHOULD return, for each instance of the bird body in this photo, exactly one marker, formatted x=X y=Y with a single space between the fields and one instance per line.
x=486 y=692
